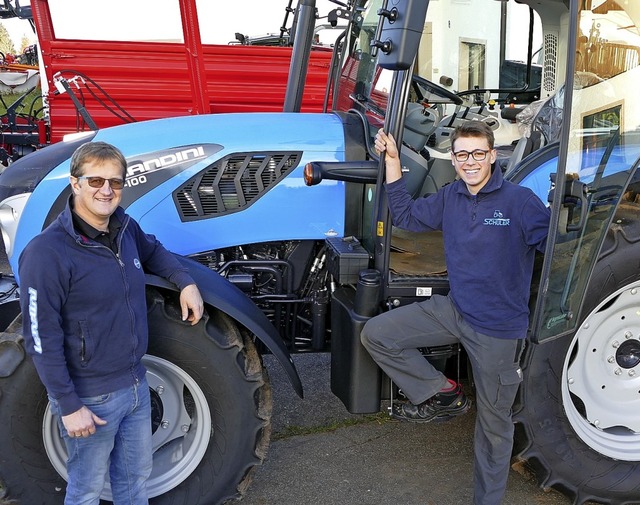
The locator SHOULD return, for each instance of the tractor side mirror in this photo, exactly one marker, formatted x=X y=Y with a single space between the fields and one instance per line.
x=398 y=33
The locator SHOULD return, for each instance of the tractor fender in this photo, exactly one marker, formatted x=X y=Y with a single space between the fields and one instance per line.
x=223 y=295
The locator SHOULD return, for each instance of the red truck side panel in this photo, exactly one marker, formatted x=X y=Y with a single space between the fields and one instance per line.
x=151 y=80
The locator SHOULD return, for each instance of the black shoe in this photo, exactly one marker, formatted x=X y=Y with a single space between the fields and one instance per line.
x=440 y=407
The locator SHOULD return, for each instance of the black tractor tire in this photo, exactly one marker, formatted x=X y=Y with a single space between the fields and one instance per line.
x=554 y=436
x=211 y=403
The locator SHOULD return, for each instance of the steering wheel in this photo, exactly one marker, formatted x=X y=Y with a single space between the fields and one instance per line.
x=422 y=83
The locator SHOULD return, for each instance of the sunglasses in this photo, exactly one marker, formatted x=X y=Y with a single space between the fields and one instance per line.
x=98 y=182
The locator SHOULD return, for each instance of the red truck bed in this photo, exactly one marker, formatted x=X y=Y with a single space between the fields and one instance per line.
x=152 y=80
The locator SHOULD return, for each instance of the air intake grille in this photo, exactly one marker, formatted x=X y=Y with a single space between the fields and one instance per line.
x=550 y=62
x=232 y=183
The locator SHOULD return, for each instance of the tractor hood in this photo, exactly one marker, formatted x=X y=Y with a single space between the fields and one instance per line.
x=203 y=182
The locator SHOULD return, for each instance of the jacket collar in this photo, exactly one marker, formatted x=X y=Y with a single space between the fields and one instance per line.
x=66 y=219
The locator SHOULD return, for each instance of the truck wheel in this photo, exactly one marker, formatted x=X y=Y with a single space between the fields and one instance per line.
x=577 y=418
x=211 y=413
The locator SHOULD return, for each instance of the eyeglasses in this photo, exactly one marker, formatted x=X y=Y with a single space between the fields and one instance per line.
x=478 y=155
x=98 y=182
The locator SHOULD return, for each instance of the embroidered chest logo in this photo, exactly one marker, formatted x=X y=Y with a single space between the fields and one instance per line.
x=498 y=219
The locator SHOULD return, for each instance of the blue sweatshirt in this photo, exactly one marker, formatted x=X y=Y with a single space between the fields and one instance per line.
x=84 y=307
x=490 y=241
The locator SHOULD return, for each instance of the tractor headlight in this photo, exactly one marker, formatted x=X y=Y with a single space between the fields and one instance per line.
x=10 y=212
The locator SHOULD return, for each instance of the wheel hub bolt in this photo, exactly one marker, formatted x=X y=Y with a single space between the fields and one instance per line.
x=632 y=373
x=611 y=359
x=596 y=423
x=615 y=344
x=160 y=389
x=617 y=371
x=628 y=334
x=164 y=424
x=571 y=380
x=185 y=428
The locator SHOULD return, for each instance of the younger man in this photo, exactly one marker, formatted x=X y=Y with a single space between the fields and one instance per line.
x=491 y=230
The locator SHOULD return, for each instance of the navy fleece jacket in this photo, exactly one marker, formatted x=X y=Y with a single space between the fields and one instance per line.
x=489 y=242
x=84 y=307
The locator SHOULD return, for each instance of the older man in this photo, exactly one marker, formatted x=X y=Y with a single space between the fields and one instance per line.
x=83 y=301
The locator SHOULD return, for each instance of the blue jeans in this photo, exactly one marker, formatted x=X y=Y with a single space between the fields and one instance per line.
x=121 y=447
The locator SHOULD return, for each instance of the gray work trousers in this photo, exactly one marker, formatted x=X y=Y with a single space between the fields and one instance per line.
x=393 y=339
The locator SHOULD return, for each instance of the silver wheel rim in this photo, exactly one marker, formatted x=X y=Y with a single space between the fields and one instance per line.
x=179 y=442
x=601 y=377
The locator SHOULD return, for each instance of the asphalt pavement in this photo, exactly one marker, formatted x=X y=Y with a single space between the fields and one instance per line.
x=320 y=454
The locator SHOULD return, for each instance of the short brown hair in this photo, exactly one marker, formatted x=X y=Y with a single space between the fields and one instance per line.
x=478 y=129
x=96 y=151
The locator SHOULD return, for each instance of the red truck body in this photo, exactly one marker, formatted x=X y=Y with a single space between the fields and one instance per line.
x=150 y=80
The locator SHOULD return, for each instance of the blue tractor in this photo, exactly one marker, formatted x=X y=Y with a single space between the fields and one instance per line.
x=282 y=220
